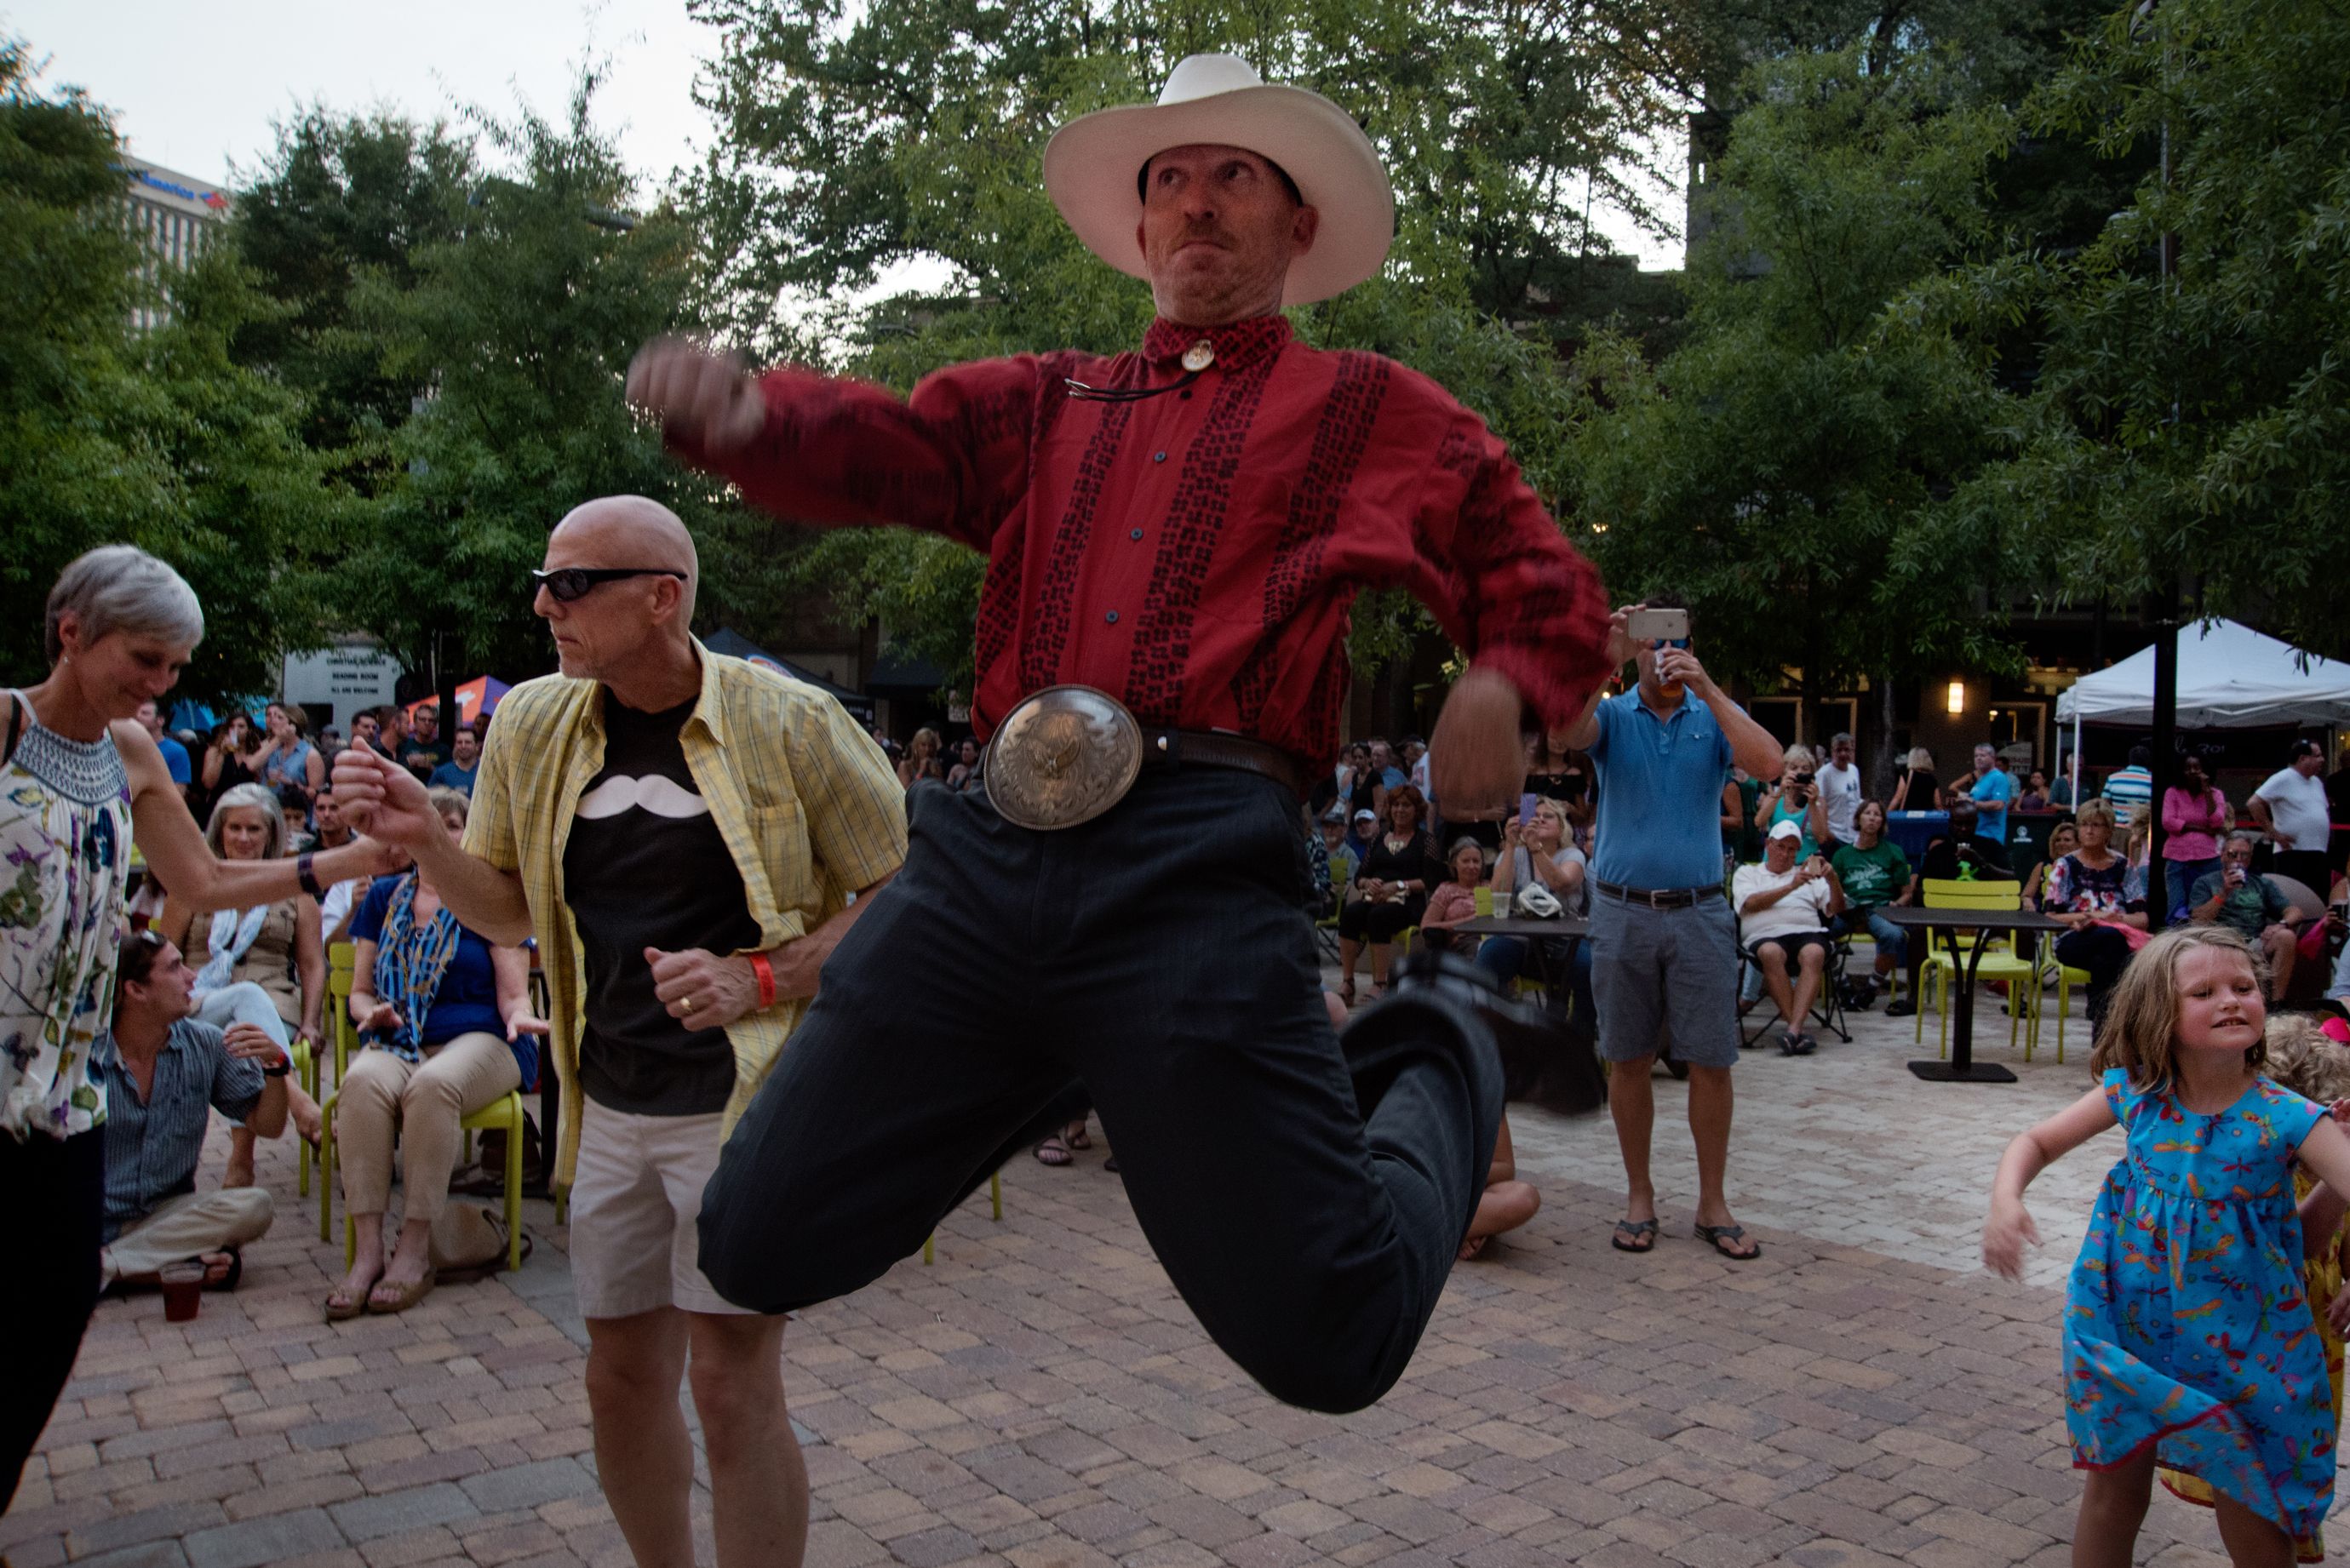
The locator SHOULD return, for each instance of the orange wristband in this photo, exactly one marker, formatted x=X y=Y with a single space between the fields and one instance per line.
x=767 y=974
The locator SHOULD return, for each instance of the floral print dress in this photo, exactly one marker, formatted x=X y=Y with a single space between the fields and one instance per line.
x=65 y=855
x=2185 y=1328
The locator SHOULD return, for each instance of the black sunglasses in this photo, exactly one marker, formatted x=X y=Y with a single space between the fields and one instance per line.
x=569 y=583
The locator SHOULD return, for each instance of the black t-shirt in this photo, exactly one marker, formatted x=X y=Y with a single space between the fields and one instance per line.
x=1566 y=786
x=1941 y=862
x=646 y=866
x=1922 y=785
x=423 y=756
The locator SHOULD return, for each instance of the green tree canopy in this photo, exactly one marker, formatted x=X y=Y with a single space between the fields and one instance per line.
x=1772 y=466
x=515 y=328
x=156 y=438
x=2192 y=428
x=338 y=199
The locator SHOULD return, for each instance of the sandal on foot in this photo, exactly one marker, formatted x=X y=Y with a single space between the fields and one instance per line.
x=1079 y=1140
x=1633 y=1236
x=1110 y=1164
x=340 y=1309
x=1724 y=1238
x=1788 y=1045
x=405 y=1296
x=230 y=1275
x=1051 y=1151
x=1805 y=1044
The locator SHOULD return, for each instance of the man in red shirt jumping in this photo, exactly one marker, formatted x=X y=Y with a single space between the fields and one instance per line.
x=1174 y=536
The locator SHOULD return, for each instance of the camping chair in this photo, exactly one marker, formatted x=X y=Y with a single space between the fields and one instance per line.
x=1326 y=929
x=1941 y=971
x=1827 y=1005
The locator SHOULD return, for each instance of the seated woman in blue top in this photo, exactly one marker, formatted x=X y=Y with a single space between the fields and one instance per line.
x=449 y=1031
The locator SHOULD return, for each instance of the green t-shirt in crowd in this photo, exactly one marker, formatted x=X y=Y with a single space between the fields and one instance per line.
x=1872 y=878
x=2249 y=910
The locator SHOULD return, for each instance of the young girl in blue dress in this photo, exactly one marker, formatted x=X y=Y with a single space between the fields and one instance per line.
x=2187 y=1338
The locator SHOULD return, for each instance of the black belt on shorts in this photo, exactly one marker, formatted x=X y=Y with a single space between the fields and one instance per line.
x=1657 y=898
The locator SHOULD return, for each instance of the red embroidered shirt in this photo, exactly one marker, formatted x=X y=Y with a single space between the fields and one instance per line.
x=1194 y=552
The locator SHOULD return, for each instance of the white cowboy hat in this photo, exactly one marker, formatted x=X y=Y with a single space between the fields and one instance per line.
x=1093 y=168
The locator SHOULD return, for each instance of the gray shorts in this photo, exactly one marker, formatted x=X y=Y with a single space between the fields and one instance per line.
x=1659 y=974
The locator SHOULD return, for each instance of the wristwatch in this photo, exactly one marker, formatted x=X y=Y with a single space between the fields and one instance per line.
x=282 y=1065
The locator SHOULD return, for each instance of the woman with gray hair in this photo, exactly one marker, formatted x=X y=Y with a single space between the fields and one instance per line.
x=79 y=774
x=265 y=965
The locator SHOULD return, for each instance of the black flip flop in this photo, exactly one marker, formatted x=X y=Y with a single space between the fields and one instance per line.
x=1642 y=1234
x=1718 y=1235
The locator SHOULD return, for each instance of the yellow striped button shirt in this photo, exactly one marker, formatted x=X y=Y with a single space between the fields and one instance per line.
x=808 y=807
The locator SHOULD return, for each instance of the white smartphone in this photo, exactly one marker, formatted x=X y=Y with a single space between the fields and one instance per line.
x=1658 y=626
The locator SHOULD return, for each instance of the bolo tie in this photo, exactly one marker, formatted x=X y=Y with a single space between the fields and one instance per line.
x=1196 y=358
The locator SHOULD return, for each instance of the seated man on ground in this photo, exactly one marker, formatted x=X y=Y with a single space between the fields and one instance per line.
x=1783 y=911
x=164 y=1074
x=1507 y=1203
x=2256 y=909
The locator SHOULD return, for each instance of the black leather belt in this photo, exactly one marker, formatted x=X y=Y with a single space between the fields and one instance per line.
x=1656 y=897
x=1170 y=749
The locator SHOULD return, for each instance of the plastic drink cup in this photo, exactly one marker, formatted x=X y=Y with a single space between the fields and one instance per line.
x=184 y=1291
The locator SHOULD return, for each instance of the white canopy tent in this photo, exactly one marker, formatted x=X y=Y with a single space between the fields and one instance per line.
x=2230 y=678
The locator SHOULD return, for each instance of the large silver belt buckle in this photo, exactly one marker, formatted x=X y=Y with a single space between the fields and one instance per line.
x=1062 y=756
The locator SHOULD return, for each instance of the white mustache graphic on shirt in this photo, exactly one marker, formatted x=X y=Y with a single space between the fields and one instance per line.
x=655 y=793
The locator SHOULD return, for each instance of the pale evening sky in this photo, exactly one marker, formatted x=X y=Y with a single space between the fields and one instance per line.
x=195 y=87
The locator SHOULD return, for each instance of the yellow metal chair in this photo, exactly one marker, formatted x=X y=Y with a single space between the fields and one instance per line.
x=996 y=1205
x=1941 y=972
x=345 y=1034
x=341 y=957
x=305 y=1072
x=2067 y=977
x=503 y=1114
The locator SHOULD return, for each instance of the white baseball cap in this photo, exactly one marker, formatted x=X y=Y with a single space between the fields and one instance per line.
x=1785 y=828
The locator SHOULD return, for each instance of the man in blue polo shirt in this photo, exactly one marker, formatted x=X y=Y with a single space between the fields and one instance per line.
x=1664 y=942
x=175 y=755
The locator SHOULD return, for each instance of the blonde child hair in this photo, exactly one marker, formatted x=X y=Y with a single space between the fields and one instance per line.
x=2142 y=1020
x=2304 y=1058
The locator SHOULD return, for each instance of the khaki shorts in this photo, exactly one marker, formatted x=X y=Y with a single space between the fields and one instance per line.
x=634 y=1203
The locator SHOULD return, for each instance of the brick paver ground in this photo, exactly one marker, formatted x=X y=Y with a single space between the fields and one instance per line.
x=1863 y=1395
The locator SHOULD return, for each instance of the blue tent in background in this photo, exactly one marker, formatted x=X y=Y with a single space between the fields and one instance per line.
x=188 y=713
x=734 y=645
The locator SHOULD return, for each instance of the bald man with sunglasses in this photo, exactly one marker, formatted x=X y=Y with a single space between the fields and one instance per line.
x=682 y=831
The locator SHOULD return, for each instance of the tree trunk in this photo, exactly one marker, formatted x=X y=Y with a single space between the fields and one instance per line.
x=1883 y=762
